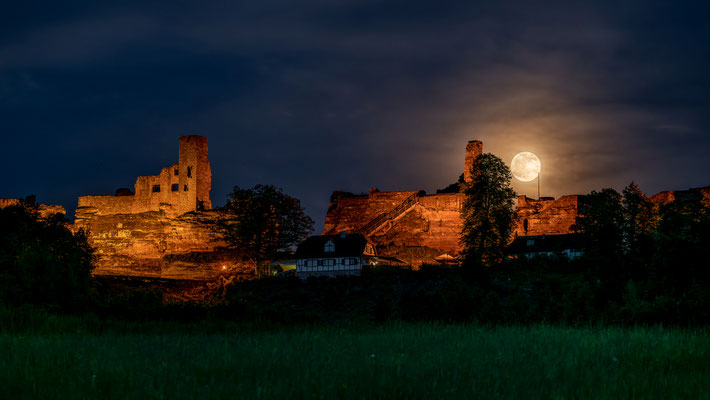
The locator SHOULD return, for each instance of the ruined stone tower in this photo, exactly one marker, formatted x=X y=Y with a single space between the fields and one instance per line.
x=474 y=148
x=195 y=174
x=179 y=188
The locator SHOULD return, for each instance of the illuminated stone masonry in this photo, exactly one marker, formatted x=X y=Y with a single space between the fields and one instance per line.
x=165 y=228
x=417 y=228
x=409 y=225
x=178 y=189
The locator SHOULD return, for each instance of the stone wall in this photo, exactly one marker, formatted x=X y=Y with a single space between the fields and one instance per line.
x=433 y=222
x=547 y=216
x=693 y=194
x=106 y=205
x=348 y=212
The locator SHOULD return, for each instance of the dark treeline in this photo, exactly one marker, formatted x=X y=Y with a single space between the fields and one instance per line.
x=643 y=263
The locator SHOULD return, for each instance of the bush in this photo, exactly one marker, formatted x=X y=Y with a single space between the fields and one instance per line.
x=41 y=261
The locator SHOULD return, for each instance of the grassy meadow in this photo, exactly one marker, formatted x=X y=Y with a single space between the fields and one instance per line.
x=72 y=358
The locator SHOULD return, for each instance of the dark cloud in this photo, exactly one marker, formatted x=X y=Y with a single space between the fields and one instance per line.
x=314 y=96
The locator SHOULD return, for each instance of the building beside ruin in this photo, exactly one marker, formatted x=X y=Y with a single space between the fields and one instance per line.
x=333 y=255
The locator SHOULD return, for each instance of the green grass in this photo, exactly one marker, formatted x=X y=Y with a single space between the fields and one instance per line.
x=390 y=361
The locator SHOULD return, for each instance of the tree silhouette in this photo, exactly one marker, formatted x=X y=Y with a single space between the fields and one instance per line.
x=487 y=211
x=41 y=261
x=263 y=220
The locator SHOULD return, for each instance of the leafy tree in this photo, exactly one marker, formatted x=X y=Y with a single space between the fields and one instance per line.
x=487 y=211
x=602 y=223
x=263 y=220
x=41 y=261
x=682 y=240
x=641 y=221
x=641 y=216
x=601 y=226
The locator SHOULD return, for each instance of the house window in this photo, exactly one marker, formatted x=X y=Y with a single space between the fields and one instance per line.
x=320 y=263
x=189 y=172
x=156 y=188
x=175 y=187
x=530 y=242
x=330 y=247
x=184 y=188
x=177 y=172
x=329 y=262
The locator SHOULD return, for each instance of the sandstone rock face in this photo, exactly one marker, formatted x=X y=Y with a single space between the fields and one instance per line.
x=45 y=210
x=154 y=244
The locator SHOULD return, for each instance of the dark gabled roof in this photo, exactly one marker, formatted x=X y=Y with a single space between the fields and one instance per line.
x=351 y=245
x=543 y=243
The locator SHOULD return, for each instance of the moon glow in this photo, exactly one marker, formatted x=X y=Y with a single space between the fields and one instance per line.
x=525 y=166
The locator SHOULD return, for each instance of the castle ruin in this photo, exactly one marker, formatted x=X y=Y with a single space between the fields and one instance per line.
x=432 y=223
x=165 y=228
x=179 y=188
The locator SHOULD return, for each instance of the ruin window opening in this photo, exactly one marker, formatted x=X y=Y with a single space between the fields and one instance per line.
x=177 y=172
x=175 y=187
x=189 y=172
x=156 y=188
x=525 y=225
x=184 y=188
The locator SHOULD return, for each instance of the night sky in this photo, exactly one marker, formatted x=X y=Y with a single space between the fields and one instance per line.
x=314 y=96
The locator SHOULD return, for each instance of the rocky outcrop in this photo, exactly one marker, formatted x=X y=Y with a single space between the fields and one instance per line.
x=44 y=210
x=153 y=244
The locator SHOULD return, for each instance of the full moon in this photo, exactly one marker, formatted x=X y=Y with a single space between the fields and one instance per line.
x=525 y=166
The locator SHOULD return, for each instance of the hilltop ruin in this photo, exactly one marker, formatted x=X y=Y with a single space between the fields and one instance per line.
x=165 y=228
x=409 y=220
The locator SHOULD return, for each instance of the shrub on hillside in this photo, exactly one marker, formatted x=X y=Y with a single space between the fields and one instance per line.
x=41 y=261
